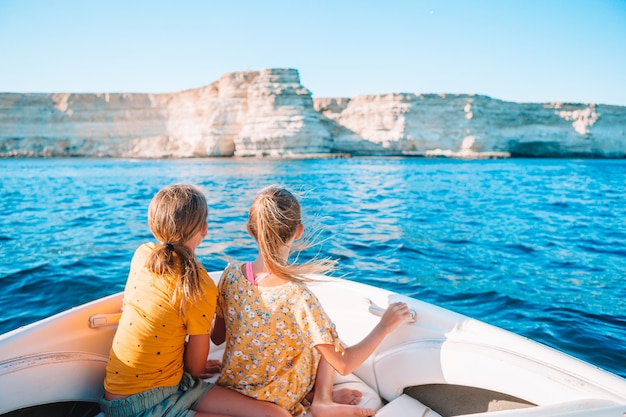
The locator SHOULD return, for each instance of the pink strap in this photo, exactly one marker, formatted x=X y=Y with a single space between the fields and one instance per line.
x=250 y=275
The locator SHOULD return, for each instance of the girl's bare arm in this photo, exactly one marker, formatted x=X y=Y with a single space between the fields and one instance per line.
x=196 y=354
x=218 y=334
x=355 y=355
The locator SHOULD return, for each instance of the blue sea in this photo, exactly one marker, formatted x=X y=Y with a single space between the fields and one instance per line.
x=536 y=246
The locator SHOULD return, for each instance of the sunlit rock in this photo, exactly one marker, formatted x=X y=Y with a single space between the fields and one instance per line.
x=472 y=126
x=270 y=113
x=281 y=119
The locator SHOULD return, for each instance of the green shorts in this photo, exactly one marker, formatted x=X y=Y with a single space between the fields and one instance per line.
x=176 y=401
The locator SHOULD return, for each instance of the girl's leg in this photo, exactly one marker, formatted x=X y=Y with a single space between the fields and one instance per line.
x=323 y=404
x=220 y=401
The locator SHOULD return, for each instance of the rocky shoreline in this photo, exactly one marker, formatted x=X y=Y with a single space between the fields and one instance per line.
x=269 y=113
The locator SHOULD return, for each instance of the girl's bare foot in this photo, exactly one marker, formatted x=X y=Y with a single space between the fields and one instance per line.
x=340 y=410
x=347 y=396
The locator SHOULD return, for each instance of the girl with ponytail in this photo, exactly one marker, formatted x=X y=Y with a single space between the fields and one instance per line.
x=280 y=343
x=169 y=297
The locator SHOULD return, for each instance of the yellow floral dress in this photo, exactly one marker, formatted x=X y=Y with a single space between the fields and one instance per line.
x=270 y=337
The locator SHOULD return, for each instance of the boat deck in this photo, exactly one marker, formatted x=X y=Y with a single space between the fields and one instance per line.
x=454 y=400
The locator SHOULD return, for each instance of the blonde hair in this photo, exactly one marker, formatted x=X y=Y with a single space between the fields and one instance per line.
x=176 y=213
x=273 y=222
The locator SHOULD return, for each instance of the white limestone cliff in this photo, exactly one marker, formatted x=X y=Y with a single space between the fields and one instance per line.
x=472 y=126
x=244 y=113
x=281 y=118
x=270 y=113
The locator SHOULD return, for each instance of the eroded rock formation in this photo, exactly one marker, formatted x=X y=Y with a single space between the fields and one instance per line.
x=270 y=113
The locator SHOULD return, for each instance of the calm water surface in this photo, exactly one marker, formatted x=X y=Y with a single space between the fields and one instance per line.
x=535 y=246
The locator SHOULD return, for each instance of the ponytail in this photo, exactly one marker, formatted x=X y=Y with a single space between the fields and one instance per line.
x=175 y=215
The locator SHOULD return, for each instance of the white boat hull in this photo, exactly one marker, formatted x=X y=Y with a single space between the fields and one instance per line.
x=442 y=355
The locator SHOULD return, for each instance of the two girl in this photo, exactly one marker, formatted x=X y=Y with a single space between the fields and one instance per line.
x=278 y=336
x=168 y=298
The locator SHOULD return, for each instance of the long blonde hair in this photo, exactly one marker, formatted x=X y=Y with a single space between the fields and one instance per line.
x=273 y=222
x=176 y=213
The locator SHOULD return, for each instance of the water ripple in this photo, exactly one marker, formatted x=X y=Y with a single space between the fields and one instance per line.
x=534 y=246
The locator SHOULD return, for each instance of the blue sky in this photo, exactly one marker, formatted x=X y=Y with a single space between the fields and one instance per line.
x=515 y=50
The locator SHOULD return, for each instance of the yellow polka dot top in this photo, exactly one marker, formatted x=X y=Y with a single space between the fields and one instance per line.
x=148 y=346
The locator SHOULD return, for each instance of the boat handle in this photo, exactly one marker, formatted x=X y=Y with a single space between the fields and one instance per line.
x=379 y=311
x=103 y=320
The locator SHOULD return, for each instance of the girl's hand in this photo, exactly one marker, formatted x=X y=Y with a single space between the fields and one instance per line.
x=395 y=314
x=212 y=367
x=355 y=355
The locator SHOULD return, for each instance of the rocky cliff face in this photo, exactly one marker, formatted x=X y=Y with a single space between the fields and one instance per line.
x=269 y=113
x=281 y=119
x=472 y=126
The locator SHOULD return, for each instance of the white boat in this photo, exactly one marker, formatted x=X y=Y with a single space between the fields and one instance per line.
x=441 y=364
